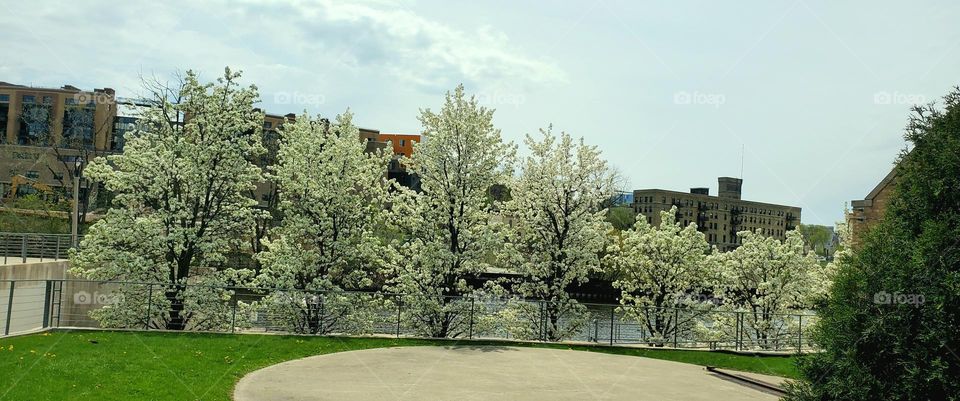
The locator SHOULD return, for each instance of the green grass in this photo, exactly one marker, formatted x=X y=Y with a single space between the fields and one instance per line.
x=112 y=365
x=22 y=223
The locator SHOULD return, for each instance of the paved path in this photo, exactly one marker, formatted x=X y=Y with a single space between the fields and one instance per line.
x=484 y=373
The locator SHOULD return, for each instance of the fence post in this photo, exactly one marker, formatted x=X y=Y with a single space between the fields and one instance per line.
x=46 y=302
x=472 y=302
x=146 y=322
x=740 y=331
x=596 y=330
x=800 y=334
x=57 y=255
x=233 y=319
x=59 y=302
x=23 y=248
x=399 y=309
x=323 y=311
x=676 y=326
x=9 y=308
x=541 y=323
x=613 y=310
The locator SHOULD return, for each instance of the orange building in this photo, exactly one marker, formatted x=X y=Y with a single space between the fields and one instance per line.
x=402 y=143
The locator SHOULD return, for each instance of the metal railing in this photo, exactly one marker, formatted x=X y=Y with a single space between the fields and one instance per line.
x=22 y=247
x=36 y=304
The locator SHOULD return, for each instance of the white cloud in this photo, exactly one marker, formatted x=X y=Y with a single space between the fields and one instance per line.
x=311 y=40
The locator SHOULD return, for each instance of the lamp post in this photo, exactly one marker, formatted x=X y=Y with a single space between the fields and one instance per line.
x=75 y=218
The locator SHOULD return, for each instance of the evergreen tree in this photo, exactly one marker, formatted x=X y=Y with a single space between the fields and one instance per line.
x=891 y=328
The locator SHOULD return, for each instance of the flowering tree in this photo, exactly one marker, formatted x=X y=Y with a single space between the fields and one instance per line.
x=661 y=269
x=765 y=278
x=558 y=225
x=332 y=199
x=447 y=236
x=180 y=200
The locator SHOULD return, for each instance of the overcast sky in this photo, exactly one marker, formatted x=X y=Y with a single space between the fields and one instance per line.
x=815 y=93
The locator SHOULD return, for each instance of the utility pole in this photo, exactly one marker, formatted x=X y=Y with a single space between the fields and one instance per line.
x=75 y=216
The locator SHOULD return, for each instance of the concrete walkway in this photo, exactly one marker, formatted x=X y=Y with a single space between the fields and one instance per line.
x=484 y=373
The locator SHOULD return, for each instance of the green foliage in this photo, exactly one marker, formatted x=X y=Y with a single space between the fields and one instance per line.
x=817 y=238
x=621 y=217
x=876 y=345
x=24 y=223
x=37 y=202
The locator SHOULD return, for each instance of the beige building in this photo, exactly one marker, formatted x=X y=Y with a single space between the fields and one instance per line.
x=45 y=130
x=718 y=217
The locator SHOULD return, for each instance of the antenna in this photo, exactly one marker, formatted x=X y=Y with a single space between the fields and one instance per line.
x=742 y=147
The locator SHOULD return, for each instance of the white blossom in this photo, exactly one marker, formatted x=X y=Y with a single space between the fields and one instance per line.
x=558 y=225
x=766 y=280
x=445 y=233
x=180 y=202
x=661 y=269
x=332 y=197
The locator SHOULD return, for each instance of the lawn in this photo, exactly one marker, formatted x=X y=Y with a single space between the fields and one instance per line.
x=111 y=365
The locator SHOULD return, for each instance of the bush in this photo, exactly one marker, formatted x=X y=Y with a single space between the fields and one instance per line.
x=891 y=328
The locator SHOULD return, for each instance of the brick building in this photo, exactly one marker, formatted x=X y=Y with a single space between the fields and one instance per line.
x=866 y=212
x=718 y=217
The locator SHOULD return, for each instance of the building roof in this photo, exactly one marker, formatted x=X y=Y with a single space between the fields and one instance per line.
x=716 y=198
x=887 y=180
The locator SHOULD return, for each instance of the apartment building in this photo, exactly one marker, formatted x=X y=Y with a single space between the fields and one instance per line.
x=402 y=146
x=45 y=131
x=718 y=217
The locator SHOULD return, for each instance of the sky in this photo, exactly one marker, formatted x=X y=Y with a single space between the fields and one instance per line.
x=805 y=100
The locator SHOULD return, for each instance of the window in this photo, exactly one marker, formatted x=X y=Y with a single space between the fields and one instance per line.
x=122 y=128
x=34 y=124
x=4 y=98
x=77 y=128
x=4 y=109
x=47 y=99
x=33 y=174
x=403 y=142
x=29 y=99
x=267 y=124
